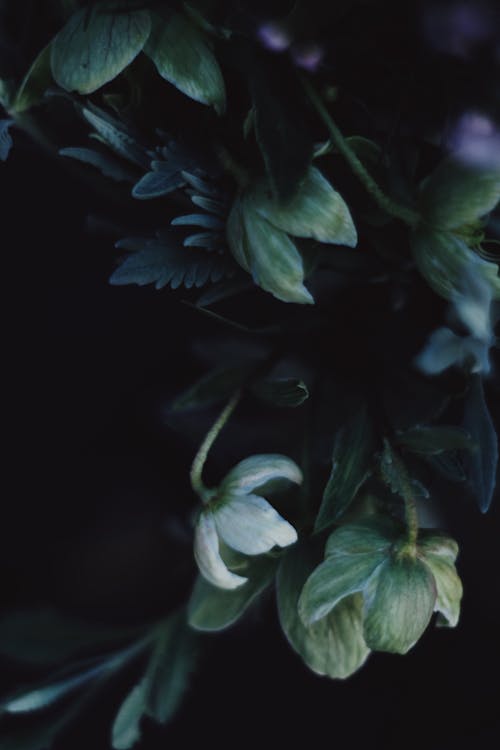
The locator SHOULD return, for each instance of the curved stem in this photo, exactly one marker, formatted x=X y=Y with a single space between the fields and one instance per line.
x=201 y=457
x=406 y=214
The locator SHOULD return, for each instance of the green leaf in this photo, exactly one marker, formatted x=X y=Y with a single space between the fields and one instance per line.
x=316 y=211
x=439 y=553
x=161 y=181
x=369 y=537
x=351 y=463
x=445 y=260
x=211 y=608
x=43 y=696
x=126 y=729
x=163 y=262
x=457 y=194
x=281 y=392
x=481 y=465
x=35 y=83
x=285 y=144
x=399 y=602
x=432 y=441
x=92 y=50
x=107 y=165
x=267 y=253
x=217 y=385
x=183 y=57
x=45 y=637
x=333 y=646
x=333 y=580
x=5 y=139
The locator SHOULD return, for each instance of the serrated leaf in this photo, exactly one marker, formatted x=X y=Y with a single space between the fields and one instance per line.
x=333 y=646
x=107 y=165
x=433 y=441
x=399 y=602
x=116 y=135
x=211 y=608
x=281 y=392
x=93 y=49
x=163 y=262
x=457 y=194
x=35 y=83
x=217 y=385
x=351 y=462
x=286 y=146
x=316 y=211
x=182 y=55
x=157 y=183
x=481 y=465
x=5 y=139
x=445 y=260
x=45 y=637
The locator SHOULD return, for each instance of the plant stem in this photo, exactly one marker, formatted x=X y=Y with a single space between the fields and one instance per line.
x=406 y=214
x=200 y=458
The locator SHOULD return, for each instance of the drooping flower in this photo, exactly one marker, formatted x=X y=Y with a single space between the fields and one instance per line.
x=242 y=518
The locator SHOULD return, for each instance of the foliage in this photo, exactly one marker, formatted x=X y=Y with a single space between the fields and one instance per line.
x=360 y=266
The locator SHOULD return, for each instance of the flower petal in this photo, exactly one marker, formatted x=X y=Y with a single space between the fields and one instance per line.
x=250 y=525
x=443 y=349
x=208 y=559
x=255 y=471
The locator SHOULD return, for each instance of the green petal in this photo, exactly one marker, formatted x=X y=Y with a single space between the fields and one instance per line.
x=449 y=589
x=368 y=537
x=457 y=194
x=445 y=260
x=316 y=211
x=90 y=51
x=255 y=471
x=399 y=602
x=183 y=57
x=249 y=524
x=333 y=646
x=333 y=580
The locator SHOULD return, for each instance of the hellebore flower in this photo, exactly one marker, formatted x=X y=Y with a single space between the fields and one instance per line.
x=258 y=230
x=242 y=519
x=472 y=307
x=401 y=585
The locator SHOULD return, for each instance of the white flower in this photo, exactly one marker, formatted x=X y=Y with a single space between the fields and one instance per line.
x=472 y=306
x=245 y=521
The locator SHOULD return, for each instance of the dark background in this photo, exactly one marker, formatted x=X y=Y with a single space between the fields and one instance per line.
x=94 y=477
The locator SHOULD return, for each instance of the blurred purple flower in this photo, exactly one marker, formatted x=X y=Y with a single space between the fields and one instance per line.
x=274 y=36
x=475 y=140
x=308 y=56
x=457 y=28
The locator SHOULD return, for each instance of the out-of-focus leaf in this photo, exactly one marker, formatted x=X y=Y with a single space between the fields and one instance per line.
x=35 y=83
x=481 y=465
x=433 y=441
x=282 y=392
x=93 y=49
x=351 y=461
x=106 y=164
x=217 y=386
x=5 y=139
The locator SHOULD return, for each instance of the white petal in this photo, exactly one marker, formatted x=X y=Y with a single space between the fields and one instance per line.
x=249 y=524
x=473 y=306
x=443 y=349
x=208 y=559
x=255 y=471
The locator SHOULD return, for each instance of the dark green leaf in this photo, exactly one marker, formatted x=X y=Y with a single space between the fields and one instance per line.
x=183 y=57
x=45 y=637
x=333 y=646
x=109 y=166
x=282 y=392
x=116 y=135
x=432 y=441
x=5 y=139
x=36 y=82
x=480 y=465
x=126 y=729
x=211 y=608
x=163 y=261
x=286 y=146
x=157 y=183
x=217 y=385
x=92 y=50
x=449 y=465
x=351 y=465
